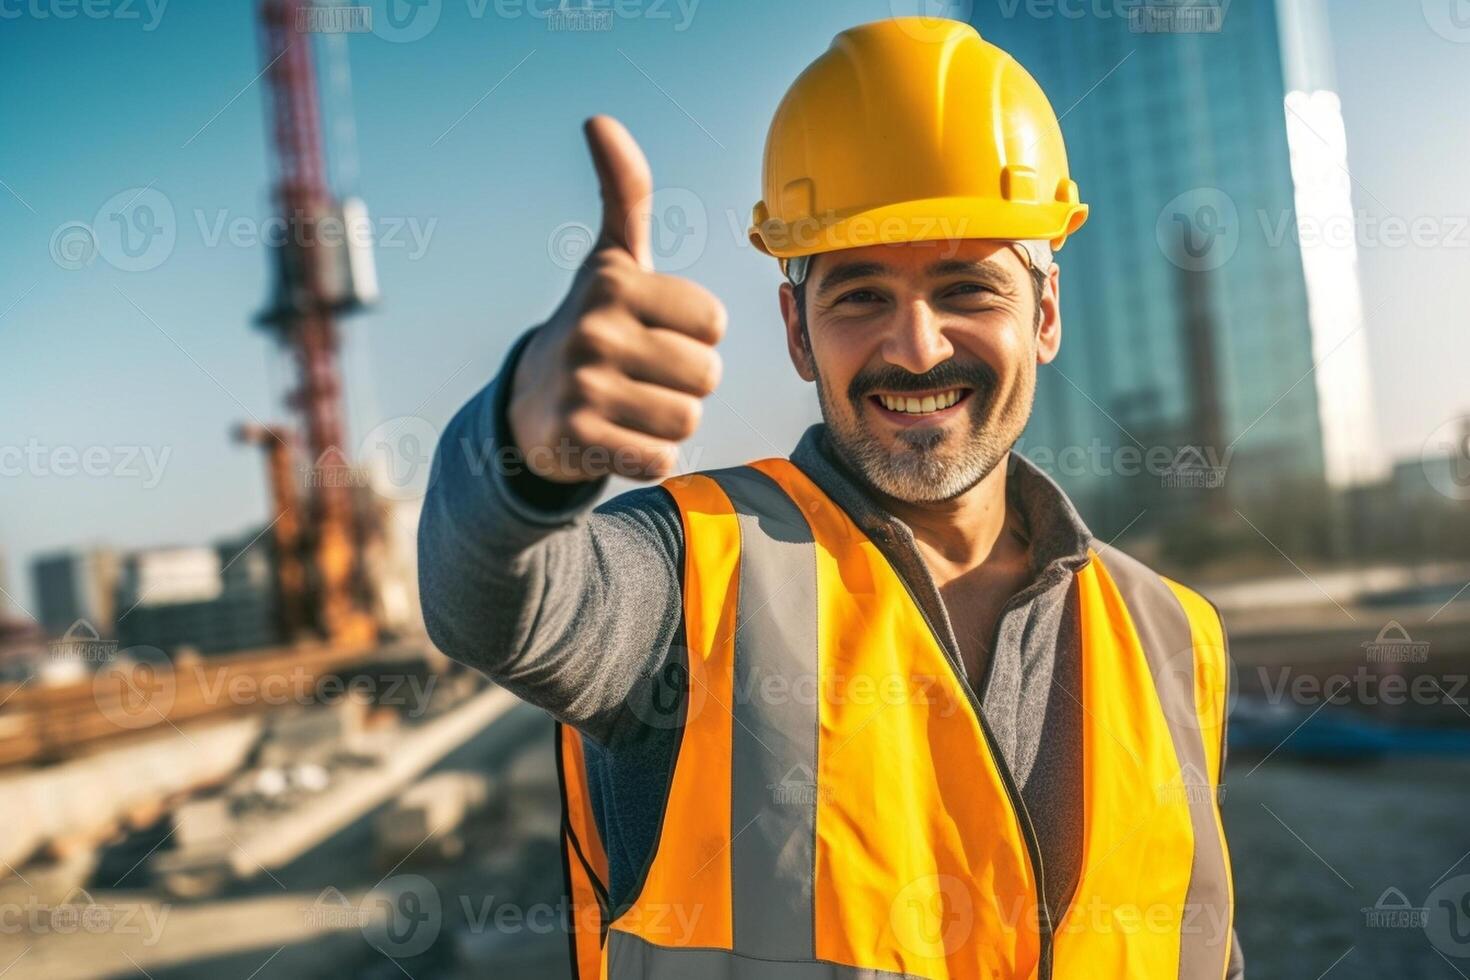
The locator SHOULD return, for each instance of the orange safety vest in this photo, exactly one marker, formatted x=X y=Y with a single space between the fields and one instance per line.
x=838 y=807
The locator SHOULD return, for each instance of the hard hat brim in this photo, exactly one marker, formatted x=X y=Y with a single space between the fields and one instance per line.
x=931 y=219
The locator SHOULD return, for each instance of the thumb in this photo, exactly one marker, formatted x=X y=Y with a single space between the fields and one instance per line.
x=627 y=188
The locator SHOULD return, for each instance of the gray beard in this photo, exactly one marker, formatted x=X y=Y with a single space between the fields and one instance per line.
x=921 y=472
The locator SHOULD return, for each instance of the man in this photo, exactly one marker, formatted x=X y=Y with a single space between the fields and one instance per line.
x=884 y=708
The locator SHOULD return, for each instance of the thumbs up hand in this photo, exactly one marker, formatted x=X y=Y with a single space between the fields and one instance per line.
x=617 y=376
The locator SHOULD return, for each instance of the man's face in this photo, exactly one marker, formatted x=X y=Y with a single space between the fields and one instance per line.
x=924 y=355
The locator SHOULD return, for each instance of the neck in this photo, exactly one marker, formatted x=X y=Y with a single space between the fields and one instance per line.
x=964 y=531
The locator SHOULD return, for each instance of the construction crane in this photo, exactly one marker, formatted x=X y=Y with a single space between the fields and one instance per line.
x=322 y=271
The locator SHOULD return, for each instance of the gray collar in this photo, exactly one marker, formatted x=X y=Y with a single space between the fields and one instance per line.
x=1059 y=539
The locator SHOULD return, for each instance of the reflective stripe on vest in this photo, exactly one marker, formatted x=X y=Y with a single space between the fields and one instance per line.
x=837 y=808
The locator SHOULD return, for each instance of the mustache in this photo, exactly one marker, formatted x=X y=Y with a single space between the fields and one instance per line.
x=948 y=374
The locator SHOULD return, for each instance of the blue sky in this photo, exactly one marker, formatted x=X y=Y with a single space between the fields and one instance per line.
x=469 y=137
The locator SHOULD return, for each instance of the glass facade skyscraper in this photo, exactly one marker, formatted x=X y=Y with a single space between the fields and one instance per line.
x=1209 y=302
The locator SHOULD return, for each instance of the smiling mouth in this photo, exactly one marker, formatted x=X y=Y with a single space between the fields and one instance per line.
x=921 y=404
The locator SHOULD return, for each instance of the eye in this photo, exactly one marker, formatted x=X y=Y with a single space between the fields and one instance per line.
x=969 y=289
x=860 y=296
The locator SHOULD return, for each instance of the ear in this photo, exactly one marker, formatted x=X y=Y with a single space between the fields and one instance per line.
x=1049 y=330
x=794 y=346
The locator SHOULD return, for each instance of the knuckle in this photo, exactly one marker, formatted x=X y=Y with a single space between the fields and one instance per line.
x=610 y=286
x=596 y=339
x=581 y=427
x=686 y=416
x=718 y=320
x=709 y=373
x=584 y=385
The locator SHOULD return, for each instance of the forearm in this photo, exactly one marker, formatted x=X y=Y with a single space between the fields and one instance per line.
x=567 y=607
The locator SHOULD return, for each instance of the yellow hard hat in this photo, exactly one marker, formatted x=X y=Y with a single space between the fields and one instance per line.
x=913 y=129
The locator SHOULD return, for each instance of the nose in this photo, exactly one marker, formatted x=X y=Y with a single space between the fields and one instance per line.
x=915 y=341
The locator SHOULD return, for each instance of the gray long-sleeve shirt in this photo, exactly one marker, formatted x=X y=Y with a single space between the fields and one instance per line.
x=579 y=611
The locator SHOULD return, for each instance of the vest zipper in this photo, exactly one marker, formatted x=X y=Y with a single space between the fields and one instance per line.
x=1018 y=805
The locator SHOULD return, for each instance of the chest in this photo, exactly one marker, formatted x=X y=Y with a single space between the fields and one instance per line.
x=975 y=602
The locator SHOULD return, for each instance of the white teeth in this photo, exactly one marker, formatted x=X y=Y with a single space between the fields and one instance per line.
x=917 y=406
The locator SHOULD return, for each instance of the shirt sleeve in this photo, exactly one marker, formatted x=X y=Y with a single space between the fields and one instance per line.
x=571 y=608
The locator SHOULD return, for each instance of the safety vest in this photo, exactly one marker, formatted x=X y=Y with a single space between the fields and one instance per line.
x=838 y=807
